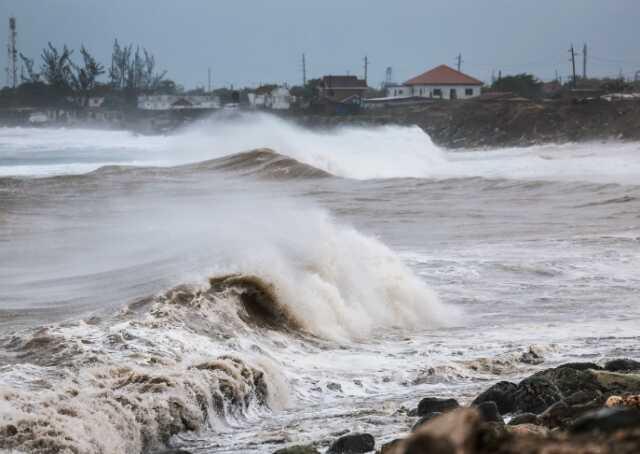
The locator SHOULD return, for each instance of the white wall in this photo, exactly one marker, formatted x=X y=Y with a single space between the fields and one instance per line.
x=429 y=91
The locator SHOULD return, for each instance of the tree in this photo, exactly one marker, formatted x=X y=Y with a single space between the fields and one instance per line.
x=526 y=85
x=57 y=68
x=134 y=72
x=27 y=64
x=85 y=80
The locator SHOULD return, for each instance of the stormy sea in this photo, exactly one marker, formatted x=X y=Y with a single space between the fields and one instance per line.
x=245 y=284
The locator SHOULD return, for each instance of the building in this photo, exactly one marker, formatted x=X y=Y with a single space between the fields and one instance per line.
x=271 y=97
x=342 y=89
x=178 y=102
x=441 y=82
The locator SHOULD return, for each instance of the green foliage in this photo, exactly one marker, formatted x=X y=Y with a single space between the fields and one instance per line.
x=526 y=85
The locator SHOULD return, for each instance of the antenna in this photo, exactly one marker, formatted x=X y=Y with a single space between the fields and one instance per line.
x=304 y=70
x=584 y=61
x=573 y=64
x=209 y=86
x=459 y=61
x=388 y=76
x=12 y=55
x=366 y=68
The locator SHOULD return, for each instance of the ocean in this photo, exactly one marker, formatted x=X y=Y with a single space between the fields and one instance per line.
x=244 y=283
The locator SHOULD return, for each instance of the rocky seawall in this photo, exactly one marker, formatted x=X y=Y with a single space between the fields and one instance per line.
x=503 y=123
x=574 y=408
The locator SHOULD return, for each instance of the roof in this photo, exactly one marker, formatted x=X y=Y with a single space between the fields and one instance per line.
x=344 y=82
x=443 y=75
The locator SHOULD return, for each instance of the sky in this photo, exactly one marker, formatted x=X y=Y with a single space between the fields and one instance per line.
x=250 y=42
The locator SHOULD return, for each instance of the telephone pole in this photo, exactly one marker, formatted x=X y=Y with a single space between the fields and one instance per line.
x=366 y=68
x=584 y=61
x=12 y=55
x=304 y=70
x=573 y=65
x=459 y=61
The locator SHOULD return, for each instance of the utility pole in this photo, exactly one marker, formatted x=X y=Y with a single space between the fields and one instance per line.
x=584 y=61
x=209 y=86
x=459 y=61
x=304 y=70
x=366 y=68
x=573 y=65
x=12 y=55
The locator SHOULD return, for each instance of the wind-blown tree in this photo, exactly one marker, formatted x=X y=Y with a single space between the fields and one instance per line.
x=27 y=65
x=57 y=68
x=134 y=72
x=85 y=79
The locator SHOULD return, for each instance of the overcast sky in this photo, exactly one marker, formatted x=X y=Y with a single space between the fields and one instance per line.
x=248 y=42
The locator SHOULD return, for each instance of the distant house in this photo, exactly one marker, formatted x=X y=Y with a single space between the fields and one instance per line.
x=441 y=82
x=178 y=102
x=271 y=97
x=342 y=89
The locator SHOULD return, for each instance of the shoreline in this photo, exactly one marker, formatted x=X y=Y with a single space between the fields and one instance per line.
x=574 y=408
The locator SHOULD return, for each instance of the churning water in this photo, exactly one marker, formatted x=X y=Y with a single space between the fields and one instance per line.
x=246 y=283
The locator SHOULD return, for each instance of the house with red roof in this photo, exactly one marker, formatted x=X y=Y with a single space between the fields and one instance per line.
x=441 y=82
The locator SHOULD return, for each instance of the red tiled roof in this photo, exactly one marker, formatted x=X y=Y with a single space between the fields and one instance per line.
x=443 y=75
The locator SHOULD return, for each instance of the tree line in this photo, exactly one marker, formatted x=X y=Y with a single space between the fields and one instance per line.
x=58 y=76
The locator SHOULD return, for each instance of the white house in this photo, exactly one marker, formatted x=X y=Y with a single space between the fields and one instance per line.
x=441 y=82
x=270 y=97
x=178 y=102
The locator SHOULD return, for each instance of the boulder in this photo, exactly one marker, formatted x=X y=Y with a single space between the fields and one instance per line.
x=502 y=393
x=524 y=418
x=424 y=419
x=623 y=401
x=580 y=366
x=617 y=382
x=298 y=449
x=622 y=364
x=390 y=447
x=489 y=412
x=455 y=432
x=436 y=405
x=535 y=394
x=352 y=444
x=570 y=380
x=607 y=420
x=528 y=429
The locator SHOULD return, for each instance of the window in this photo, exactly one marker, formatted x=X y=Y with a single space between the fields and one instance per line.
x=468 y=91
x=421 y=92
x=437 y=93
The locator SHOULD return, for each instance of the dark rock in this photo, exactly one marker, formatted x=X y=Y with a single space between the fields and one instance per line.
x=569 y=380
x=622 y=364
x=388 y=448
x=581 y=366
x=352 y=444
x=535 y=394
x=433 y=405
x=424 y=419
x=298 y=449
x=524 y=418
x=502 y=393
x=334 y=386
x=584 y=397
x=607 y=420
x=489 y=412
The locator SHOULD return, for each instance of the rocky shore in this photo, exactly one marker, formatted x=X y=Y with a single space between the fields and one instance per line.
x=575 y=408
x=503 y=123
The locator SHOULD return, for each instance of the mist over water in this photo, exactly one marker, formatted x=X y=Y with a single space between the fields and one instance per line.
x=353 y=270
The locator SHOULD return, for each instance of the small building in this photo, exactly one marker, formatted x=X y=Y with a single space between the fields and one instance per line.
x=339 y=89
x=271 y=97
x=178 y=102
x=441 y=82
